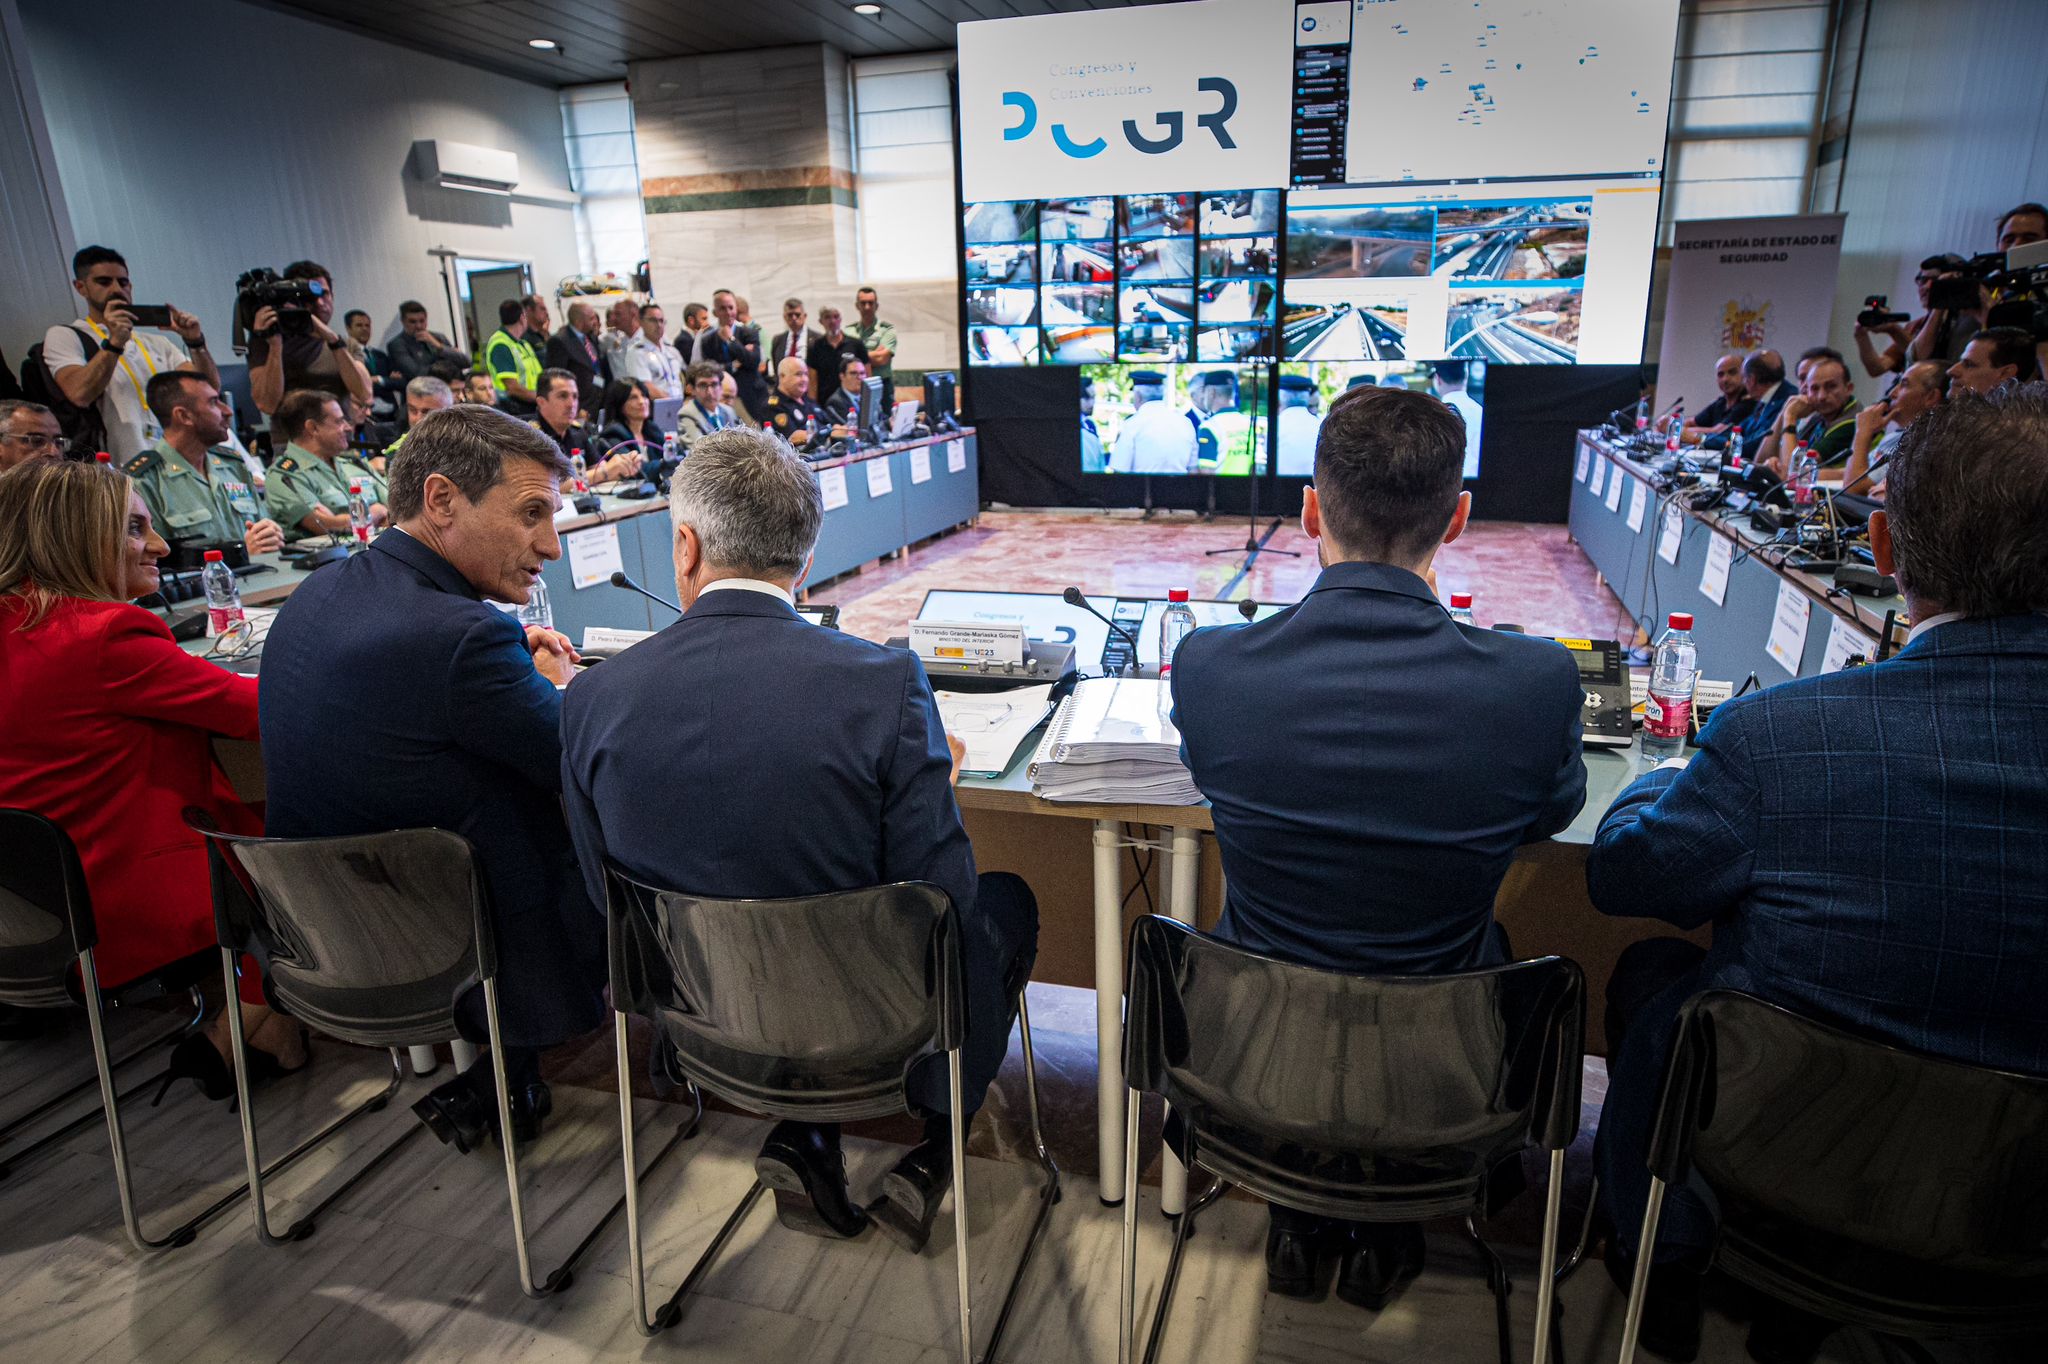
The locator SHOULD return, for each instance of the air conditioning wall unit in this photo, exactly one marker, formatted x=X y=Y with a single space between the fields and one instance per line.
x=465 y=166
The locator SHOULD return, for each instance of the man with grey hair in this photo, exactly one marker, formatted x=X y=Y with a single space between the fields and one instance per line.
x=575 y=348
x=423 y=396
x=806 y=762
x=28 y=431
x=475 y=746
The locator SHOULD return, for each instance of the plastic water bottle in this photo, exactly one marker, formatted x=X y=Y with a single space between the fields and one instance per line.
x=1461 y=608
x=1735 y=451
x=1802 y=473
x=223 y=594
x=1175 y=625
x=1672 y=428
x=536 y=610
x=668 y=449
x=358 y=514
x=579 y=471
x=1643 y=413
x=1667 y=716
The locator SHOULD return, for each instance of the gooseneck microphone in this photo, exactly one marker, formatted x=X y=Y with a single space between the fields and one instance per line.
x=1248 y=609
x=619 y=579
x=1072 y=596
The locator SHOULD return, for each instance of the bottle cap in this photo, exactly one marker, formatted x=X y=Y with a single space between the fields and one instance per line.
x=355 y=487
x=212 y=556
x=103 y=458
x=1681 y=620
x=1461 y=601
x=576 y=454
x=1177 y=594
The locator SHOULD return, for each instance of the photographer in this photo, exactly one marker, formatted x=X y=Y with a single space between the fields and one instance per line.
x=103 y=362
x=1944 y=335
x=293 y=346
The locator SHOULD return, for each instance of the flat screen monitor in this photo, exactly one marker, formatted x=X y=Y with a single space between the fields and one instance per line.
x=940 y=385
x=874 y=419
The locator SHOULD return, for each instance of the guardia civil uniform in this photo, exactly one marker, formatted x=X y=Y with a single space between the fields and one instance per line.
x=191 y=505
x=301 y=481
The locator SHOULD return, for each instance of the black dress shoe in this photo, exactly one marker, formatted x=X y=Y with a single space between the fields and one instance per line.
x=1672 y=1304
x=911 y=1193
x=1377 y=1258
x=803 y=1164
x=1290 y=1261
x=531 y=1104
x=463 y=1111
x=194 y=1058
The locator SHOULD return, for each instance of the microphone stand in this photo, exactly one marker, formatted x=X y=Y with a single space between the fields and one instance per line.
x=1074 y=597
x=619 y=579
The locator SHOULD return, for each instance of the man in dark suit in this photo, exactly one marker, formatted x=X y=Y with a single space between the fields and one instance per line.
x=1373 y=763
x=574 y=348
x=395 y=695
x=1867 y=844
x=795 y=339
x=809 y=762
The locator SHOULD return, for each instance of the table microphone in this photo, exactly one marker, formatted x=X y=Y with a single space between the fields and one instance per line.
x=1248 y=608
x=1072 y=596
x=619 y=579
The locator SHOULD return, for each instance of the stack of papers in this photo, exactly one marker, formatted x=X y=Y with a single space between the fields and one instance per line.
x=993 y=725
x=1112 y=743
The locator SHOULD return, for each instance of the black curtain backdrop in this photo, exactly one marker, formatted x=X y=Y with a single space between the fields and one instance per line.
x=1030 y=428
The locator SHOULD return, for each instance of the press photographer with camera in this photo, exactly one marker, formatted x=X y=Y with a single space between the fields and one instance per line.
x=291 y=342
x=100 y=366
x=1945 y=335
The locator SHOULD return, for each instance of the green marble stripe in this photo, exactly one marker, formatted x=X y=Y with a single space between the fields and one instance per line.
x=750 y=198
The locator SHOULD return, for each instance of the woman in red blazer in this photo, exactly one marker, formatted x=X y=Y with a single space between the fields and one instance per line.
x=109 y=725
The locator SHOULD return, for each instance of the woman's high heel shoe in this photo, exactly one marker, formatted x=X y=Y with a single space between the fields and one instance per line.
x=195 y=1059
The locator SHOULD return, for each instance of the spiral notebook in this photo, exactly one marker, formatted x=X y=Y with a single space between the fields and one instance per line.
x=1111 y=741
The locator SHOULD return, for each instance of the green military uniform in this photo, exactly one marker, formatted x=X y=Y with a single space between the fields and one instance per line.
x=188 y=506
x=301 y=481
x=1224 y=443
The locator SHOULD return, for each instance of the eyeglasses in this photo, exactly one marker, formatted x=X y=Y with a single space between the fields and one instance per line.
x=36 y=440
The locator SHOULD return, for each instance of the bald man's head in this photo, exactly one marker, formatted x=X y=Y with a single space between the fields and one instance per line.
x=1728 y=376
x=791 y=377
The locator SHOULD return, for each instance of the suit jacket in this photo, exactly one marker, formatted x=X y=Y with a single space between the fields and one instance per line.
x=569 y=349
x=394 y=697
x=693 y=423
x=1868 y=844
x=1373 y=765
x=839 y=776
x=109 y=728
x=778 y=349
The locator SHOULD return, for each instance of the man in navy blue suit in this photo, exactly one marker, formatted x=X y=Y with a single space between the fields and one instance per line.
x=1373 y=763
x=805 y=762
x=1868 y=845
x=395 y=695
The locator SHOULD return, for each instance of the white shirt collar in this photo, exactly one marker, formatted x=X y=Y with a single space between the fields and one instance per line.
x=1921 y=627
x=748 y=585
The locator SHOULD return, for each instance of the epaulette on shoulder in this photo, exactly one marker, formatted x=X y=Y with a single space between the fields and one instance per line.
x=285 y=464
x=142 y=463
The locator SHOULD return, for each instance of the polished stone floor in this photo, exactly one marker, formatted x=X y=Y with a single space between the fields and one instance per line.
x=416 y=1263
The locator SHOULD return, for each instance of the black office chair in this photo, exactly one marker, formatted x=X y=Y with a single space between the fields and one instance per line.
x=1858 y=1181
x=1368 y=1098
x=370 y=939
x=812 y=1009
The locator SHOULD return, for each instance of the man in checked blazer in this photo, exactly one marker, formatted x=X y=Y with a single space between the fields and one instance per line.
x=1868 y=845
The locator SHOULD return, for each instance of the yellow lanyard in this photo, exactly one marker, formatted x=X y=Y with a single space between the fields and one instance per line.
x=141 y=398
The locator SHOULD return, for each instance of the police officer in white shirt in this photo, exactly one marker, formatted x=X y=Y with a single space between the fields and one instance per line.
x=650 y=359
x=1299 y=425
x=1156 y=439
x=114 y=370
x=1448 y=382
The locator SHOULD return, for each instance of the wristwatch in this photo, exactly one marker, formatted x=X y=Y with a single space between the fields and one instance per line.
x=107 y=345
x=338 y=343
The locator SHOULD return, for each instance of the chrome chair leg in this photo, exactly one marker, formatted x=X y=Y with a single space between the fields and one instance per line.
x=257 y=1171
x=1646 y=1249
x=1183 y=1227
x=91 y=1082
x=1546 y=1272
x=1127 y=1293
x=957 y=1097
x=1049 y=1193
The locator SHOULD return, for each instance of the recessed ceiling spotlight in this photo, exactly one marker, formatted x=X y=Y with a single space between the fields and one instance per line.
x=544 y=44
x=872 y=11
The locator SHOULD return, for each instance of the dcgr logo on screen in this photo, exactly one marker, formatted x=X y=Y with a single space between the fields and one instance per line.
x=1170 y=124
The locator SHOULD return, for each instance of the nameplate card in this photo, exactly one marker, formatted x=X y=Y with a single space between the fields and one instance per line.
x=1599 y=478
x=1720 y=558
x=593 y=556
x=1788 y=627
x=1585 y=461
x=921 y=464
x=956 y=456
x=878 y=477
x=832 y=486
x=603 y=639
x=967 y=642
x=1706 y=695
x=1638 y=503
x=1672 y=535
x=1845 y=642
x=1614 y=482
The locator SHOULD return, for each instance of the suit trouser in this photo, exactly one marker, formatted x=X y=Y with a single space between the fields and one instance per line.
x=999 y=945
x=1650 y=982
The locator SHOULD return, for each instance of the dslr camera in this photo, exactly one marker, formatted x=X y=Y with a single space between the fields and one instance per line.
x=1877 y=312
x=262 y=288
x=1962 y=290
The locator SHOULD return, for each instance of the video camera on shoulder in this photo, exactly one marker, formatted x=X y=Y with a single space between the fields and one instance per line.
x=1877 y=312
x=292 y=299
x=1959 y=290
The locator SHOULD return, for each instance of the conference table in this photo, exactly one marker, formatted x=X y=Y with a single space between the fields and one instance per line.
x=1751 y=614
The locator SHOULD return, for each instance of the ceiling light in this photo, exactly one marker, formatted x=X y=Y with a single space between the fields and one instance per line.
x=872 y=11
x=544 y=44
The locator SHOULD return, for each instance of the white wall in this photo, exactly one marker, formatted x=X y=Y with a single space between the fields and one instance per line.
x=206 y=136
x=1950 y=129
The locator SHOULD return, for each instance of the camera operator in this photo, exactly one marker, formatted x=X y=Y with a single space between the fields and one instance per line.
x=1944 y=334
x=2022 y=226
x=103 y=361
x=295 y=347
